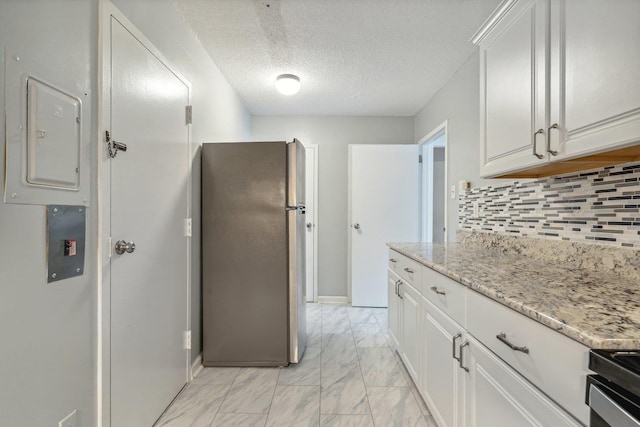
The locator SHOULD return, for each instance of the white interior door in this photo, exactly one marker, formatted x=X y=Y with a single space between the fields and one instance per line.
x=311 y=198
x=149 y=203
x=384 y=196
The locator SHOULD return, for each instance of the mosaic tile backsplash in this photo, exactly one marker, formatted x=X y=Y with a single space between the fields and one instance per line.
x=597 y=206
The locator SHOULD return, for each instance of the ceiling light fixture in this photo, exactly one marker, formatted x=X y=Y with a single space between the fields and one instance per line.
x=288 y=84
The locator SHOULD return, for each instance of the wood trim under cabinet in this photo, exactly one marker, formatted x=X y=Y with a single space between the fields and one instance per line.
x=609 y=158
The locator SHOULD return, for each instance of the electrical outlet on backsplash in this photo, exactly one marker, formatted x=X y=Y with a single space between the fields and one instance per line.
x=595 y=206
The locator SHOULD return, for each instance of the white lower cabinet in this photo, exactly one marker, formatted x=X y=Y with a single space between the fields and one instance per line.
x=496 y=395
x=393 y=310
x=410 y=300
x=447 y=340
x=443 y=376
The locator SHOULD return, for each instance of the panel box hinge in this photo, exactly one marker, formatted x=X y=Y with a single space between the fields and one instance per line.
x=187 y=340
x=187 y=227
x=189 y=114
x=419 y=158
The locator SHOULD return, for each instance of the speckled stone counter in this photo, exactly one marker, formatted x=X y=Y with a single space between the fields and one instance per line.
x=597 y=309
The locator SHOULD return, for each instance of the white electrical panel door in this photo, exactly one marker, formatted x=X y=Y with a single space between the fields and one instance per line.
x=47 y=145
x=53 y=137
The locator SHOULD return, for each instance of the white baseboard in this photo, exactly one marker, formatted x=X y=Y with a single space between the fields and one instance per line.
x=196 y=367
x=333 y=300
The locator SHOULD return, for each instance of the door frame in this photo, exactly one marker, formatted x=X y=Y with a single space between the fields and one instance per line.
x=103 y=321
x=427 y=145
x=316 y=163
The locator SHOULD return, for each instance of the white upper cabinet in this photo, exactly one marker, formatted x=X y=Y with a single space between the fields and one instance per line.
x=558 y=81
x=513 y=89
x=594 y=69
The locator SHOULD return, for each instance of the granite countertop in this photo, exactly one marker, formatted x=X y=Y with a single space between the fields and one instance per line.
x=598 y=309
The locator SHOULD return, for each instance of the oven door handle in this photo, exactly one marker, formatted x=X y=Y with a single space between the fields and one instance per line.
x=609 y=410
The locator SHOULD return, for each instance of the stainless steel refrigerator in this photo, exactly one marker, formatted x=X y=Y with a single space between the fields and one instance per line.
x=253 y=275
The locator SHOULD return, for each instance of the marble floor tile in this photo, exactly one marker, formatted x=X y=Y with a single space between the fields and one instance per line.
x=336 y=325
x=252 y=391
x=227 y=419
x=348 y=377
x=343 y=390
x=314 y=313
x=346 y=421
x=216 y=376
x=196 y=406
x=395 y=406
x=380 y=368
x=368 y=335
x=307 y=372
x=361 y=315
x=295 y=406
x=338 y=349
x=314 y=334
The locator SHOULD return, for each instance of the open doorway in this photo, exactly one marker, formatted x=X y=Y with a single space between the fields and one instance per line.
x=433 y=184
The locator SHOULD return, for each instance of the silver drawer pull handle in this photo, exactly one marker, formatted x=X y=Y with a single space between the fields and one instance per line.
x=453 y=350
x=393 y=260
x=460 y=362
x=437 y=291
x=535 y=153
x=408 y=270
x=503 y=338
x=399 y=294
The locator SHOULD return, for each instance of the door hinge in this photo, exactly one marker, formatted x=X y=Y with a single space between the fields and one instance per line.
x=187 y=340
x=187 y=227
x=189 y=114
x=419 y=158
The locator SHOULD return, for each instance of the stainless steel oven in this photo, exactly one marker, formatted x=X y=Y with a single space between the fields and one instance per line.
x=613 y=394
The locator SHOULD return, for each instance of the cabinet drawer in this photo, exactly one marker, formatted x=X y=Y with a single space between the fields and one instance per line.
x=394 y=261
x=445 y=293
x=554 y=363
x=498 y=396
x=408 y=269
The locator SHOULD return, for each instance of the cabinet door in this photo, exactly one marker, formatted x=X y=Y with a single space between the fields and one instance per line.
x=394 y=309
x=496 y=395
x=443 y=385
x=410 y=328
x=512 y=85
x=595 y=64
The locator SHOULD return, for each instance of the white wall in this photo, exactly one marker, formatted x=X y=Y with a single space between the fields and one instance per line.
x=49 y=331
x=333 y=135
x=458 y=101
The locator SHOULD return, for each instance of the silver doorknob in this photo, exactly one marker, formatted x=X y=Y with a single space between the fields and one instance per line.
x=309 y=225
x=356 y=226
x=122 y=247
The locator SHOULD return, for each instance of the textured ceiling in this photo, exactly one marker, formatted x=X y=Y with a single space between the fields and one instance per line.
x=353 y=57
